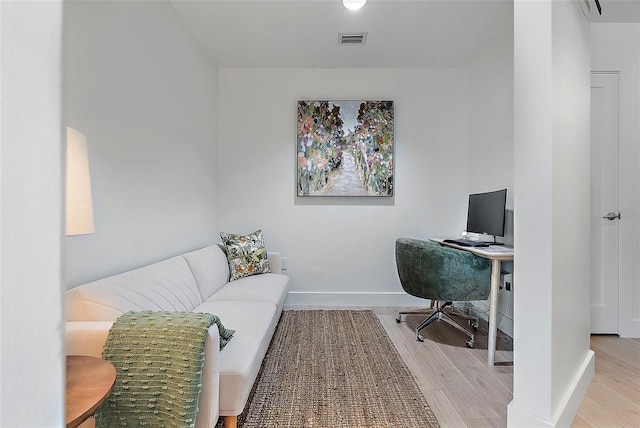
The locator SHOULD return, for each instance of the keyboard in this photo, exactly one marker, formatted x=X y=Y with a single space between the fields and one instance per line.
x=467 y=242
x=498 y=249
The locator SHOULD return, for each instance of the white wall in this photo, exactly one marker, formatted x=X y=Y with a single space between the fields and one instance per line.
x=553 y=365
x=342 y=245
x=140 y=89
x=490 y=153
x=616 y=47
x=32 y=359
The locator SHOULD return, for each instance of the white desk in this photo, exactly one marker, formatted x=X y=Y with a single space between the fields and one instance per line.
x=496 y=260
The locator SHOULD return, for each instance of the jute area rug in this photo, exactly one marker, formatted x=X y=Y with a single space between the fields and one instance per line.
x=334 y=368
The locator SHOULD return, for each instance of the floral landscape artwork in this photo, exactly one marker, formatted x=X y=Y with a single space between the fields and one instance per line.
x=345 y=148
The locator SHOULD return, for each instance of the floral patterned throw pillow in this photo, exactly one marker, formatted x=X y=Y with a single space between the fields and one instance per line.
x=246 y=254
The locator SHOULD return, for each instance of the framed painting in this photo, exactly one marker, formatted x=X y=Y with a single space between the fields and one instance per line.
x=345 y=148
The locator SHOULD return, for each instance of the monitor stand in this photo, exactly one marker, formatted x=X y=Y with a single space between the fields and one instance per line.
x=495 y=242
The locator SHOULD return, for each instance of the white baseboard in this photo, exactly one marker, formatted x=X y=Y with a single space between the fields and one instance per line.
x=519 y=418
x=352 y=298
x=576 y=392
x=566 y=412
x=356 y=298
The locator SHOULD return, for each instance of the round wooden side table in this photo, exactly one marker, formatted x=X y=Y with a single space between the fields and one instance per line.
x=89 y=383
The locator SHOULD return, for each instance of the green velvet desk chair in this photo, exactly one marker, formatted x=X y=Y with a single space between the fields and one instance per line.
x=443 y=275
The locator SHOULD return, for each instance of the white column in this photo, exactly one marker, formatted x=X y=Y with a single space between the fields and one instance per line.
x=31 y=135
x=553 y=365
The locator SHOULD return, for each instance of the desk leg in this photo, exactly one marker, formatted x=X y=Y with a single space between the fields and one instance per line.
x=493 y=311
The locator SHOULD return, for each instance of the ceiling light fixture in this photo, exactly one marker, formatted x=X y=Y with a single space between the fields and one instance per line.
x=354 y=4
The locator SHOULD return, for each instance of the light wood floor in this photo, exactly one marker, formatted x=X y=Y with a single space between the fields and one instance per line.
x=461 y=388
x=464 y=391
x=613 y=399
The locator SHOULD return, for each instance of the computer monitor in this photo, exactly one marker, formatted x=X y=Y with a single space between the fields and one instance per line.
x=486 y=213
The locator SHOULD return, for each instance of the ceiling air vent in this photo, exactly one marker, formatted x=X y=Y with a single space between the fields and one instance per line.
x=352 y=39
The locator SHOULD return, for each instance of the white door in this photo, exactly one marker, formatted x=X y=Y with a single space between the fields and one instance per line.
x=604 y=202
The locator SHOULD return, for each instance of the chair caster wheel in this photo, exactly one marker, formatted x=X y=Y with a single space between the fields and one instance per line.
x=470 y=343
x=419 y=338
x=475 y=325
x=399 y=319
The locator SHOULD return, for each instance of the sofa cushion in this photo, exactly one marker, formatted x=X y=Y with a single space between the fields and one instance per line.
x=247 y=254
x=168 y=285
x=254 y=322
x=210 y=269
x=269 y=287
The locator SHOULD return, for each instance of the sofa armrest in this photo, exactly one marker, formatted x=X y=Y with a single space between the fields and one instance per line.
x=209 y=402
x=274 y=261
x=88 y=338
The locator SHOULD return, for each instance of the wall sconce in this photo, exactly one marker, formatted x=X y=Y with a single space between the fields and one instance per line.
x=353 y=4
x=79 y=204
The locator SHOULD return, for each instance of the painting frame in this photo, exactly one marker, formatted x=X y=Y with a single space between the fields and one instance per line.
x=345 y=148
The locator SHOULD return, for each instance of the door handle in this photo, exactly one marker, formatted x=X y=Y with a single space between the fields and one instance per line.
x=612 y=216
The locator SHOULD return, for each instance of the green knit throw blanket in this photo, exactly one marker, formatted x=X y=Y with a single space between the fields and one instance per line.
x=158 y=358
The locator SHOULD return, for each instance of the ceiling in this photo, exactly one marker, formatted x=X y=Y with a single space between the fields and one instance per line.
x=621 y=11
x=400 y=33
x=304 y=33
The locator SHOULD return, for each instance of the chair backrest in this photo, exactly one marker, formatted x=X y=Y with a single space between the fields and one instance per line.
x=432 y=271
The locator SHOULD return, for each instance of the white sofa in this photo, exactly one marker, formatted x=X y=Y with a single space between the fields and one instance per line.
x=197 y=281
